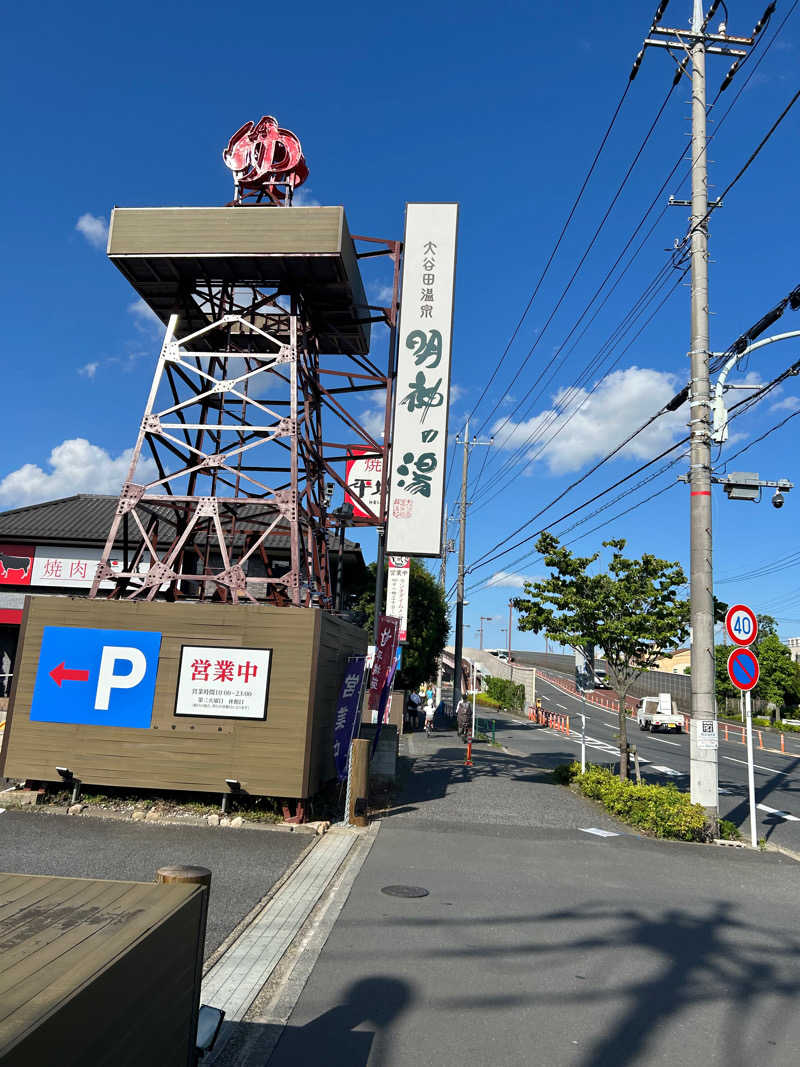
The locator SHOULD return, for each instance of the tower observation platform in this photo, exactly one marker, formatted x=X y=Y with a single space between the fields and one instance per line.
x=257 y=402
x=171 y=255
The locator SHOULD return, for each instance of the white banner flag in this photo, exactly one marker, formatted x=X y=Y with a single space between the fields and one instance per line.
x=422 y=394
x=397 y=579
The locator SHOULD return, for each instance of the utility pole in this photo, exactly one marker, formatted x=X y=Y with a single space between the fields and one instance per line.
x=695 y=43
x=458 y=642
x=484 y=618
x=510 y=624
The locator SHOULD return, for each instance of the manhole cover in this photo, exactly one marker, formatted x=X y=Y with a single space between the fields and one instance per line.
x=404 y=891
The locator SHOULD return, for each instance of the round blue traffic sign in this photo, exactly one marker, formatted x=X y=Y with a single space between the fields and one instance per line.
x=743 y=668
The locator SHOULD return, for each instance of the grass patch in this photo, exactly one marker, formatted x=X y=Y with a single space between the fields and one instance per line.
x=729 y=831
x=659 y=810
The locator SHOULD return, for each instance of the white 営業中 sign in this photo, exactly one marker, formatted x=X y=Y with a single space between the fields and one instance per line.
x=226 y=683
x=422 y=395
x=397 y=579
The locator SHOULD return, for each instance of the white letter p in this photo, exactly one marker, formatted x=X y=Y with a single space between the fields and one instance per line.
x=107 y=680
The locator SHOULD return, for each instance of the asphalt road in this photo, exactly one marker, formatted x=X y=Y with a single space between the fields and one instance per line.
x=665 y=757
x=244 y=864
x=542 y=941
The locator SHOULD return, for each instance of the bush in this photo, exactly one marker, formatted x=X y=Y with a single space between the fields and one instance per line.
x=566 y=773
x=659 y=810
x=729 y=831
x=506 y=692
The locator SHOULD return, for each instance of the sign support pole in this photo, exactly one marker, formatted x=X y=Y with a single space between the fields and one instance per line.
x=583 y=738
x=750 y=776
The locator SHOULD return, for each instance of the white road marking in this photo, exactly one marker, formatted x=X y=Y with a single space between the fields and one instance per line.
x=597 y=831
x=663 y=741
x=668 y=771
x=771 y=770
x=778 y=812
x=725 y=792
x=564 y=706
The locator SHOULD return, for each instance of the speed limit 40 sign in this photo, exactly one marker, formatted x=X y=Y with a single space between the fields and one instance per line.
x=741 y=624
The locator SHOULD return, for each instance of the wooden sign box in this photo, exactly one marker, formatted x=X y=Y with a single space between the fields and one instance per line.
x=102 y=973
x=289 y=754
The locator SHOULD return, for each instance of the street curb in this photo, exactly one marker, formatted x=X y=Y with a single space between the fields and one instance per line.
x=256 y=910
x=783 y=851
x=167 y=820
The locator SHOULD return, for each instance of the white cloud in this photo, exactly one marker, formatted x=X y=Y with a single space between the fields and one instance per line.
x=88 y=370
x=381 y=294
x=510 y=579
x=789 y=403
x=94 y=228
x=373 y=418
x=144 y=316
x=621 y=402
x=303 y=198
x=76 y=466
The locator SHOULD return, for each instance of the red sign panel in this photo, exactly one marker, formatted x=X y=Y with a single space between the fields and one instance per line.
x=743 y=669
x=385 y=651
x=364 y=476
x=16 y=564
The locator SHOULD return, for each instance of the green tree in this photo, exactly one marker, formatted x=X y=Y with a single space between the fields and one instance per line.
x=427 y=623
x=631 y=612
x=767 y=627
x=779 y=675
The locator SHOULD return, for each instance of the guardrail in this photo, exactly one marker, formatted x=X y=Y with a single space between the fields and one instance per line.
x=727 y=730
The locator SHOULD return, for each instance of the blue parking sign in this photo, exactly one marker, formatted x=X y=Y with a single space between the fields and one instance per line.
x=96 y=677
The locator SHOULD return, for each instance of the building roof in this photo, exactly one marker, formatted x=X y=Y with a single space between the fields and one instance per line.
x=85 y=519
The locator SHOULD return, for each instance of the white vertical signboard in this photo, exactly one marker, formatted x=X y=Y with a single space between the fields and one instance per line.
x=416 y=483
x=397 y=578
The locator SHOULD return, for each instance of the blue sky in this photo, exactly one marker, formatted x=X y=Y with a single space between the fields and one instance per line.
x=500 y=109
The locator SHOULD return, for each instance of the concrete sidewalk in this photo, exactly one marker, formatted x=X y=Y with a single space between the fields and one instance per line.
x=541 y=943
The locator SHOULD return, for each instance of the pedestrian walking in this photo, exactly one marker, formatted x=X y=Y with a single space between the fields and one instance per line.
x=464 y=719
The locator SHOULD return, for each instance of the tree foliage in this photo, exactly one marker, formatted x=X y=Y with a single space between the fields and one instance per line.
x=779 y=675
x=427 y=623
x=632 y=612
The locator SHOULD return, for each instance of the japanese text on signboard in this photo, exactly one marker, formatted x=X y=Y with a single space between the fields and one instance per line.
x=423 y=380
x=385 y=650
x=223 y=682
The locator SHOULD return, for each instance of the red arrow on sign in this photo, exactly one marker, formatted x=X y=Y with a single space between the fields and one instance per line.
x=61 y=674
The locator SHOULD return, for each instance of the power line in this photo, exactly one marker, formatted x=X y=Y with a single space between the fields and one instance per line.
x=586 y=252
x=539 y=430
x=536 y=435
x=556 y=246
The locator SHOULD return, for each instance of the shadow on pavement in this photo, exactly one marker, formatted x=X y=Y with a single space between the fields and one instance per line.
x=663 y=969
x=334 y=1038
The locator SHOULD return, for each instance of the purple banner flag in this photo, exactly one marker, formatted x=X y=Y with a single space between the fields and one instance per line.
x=347 y=710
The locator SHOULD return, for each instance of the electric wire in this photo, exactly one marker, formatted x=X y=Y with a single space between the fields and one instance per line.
x=763 y=54
x=586 y=252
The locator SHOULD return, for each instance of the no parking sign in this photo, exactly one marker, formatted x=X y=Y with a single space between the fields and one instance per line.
x=743 y=669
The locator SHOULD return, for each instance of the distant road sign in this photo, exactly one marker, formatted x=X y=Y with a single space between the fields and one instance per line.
x=741 y=624
x=743 y=668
